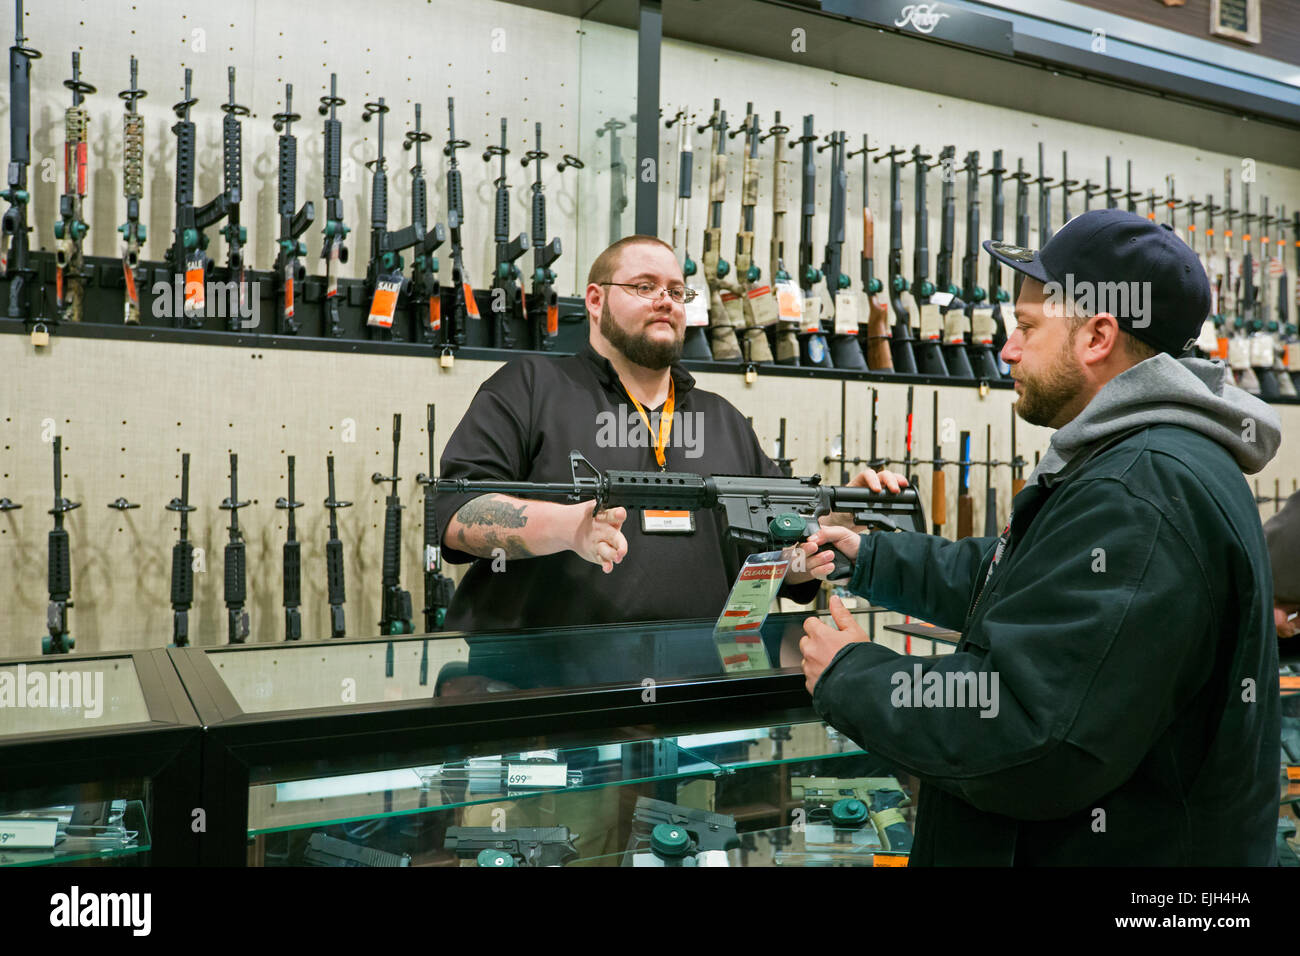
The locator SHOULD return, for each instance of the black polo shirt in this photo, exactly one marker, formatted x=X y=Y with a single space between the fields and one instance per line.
x=522 y=425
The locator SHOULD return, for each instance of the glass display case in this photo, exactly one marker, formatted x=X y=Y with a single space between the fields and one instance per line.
x=100 y=753
x=594 y=746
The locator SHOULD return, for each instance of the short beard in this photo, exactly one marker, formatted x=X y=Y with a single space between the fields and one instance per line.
x=1044 y=397
x=639 y=349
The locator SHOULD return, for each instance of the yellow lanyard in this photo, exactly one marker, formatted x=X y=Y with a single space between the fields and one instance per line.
x=665 y=423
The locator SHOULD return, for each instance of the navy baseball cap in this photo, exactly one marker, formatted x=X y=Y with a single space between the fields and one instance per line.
x=1139 y=271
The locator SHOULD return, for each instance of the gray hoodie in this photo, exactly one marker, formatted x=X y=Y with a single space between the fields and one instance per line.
x=1192 y=392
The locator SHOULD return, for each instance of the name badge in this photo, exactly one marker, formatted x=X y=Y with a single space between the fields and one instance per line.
x=667 y=522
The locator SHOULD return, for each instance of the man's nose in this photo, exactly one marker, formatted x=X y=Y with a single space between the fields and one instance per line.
x=1011 y=349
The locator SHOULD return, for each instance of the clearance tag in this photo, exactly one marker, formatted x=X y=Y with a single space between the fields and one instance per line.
x=697 y=310
x=736 y=634
x=194 y=275
x=667 y=522
x=847 y=311
x=812 y=313
x=435 y=312
x=734 y=309
x=762 y=301
x=789 y=302
x=384 y=303
x=131 y=303
x=288 y=291
x=471 y=305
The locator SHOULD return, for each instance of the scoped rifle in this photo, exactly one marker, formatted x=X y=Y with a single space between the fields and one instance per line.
x=14 y=262
x=426 y=294
x=464 y=307
x=982 y=320
x=395 y=602
x=292 y=566
x=813 y=351
x=385 y=282
x=764 y=512
x=878 y=355
x=226 y=205
x=696 y=343
x=901 y=341
x=846 y=349
x=438 y=588
x=965 y=504
x=334 y=557
x=182 y=561
x=236 y=563
x=543 y=304
x=507 y=293
x=70 y=230
x=951 y=306
x=929 y=356
x=133 y=230
x=722 y=333
x=334 y=249
x=58 y=641
x=287 y=269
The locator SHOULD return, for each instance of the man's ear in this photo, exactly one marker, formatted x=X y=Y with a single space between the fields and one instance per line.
x=1105 y=333
x=594 y=299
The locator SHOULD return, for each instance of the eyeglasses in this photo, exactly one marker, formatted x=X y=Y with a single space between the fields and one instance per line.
x=649 y=290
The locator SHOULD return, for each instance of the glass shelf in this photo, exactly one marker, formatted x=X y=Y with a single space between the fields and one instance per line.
x=70 y=695
x=125 y=834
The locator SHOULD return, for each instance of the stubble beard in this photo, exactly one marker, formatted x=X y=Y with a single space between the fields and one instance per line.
x=1044 y=397
x=639 y=349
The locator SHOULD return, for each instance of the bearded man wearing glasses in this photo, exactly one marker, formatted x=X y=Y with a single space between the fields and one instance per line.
x=625 y=402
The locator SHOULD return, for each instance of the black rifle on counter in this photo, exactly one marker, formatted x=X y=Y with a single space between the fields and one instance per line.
x=507 y=292
x=543 y=304
x=292 y=566
x=58 y=641
x=236 y=563
x=334 y=558
x=288 y=271
x=16 y=263
x=182 y=561
x=426 y=293
x=385 y=281
x=771 y=513
x=334 y=250
x=71 y=228
x=438 y=588
x=395 y=602
x=133 y=230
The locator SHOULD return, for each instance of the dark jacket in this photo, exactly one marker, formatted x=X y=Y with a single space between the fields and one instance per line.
x=1128 y=620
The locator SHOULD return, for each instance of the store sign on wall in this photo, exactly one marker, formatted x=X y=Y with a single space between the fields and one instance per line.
x=1238 y=19
x=941 y=21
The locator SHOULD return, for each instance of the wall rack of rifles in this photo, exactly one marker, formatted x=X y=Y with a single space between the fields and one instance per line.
x=816 y=320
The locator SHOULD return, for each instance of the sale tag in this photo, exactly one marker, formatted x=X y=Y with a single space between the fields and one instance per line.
x=736 y=635
x=471 y=305
x=537 y=775
x=435 y=312
x=194 y=276
x=789 y=302
x=384 y=303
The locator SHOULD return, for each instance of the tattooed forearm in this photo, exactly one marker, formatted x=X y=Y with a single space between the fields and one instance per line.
x=491 y=524
x=491 y=510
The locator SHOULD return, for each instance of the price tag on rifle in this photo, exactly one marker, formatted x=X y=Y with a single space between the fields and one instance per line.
x=931 y=323
x=697 y=310
x=131 y=301
x=195 y=273
x=288 y=290
x=471 y=305
x=848 y=307
x=1238 y=353
x=762 y=302
x=432 y=559
x=435 y=311
x=812 y=313
x=737 y=633
x=982 y=326
x=384 y=303
x=1261 y=350
x=734 y=308
x=536 y=775
x=789 y=302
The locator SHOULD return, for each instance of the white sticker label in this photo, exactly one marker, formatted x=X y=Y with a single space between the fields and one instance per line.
x=537 y=775
x=697 y=310
x=28 y=834
x=848 y=303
